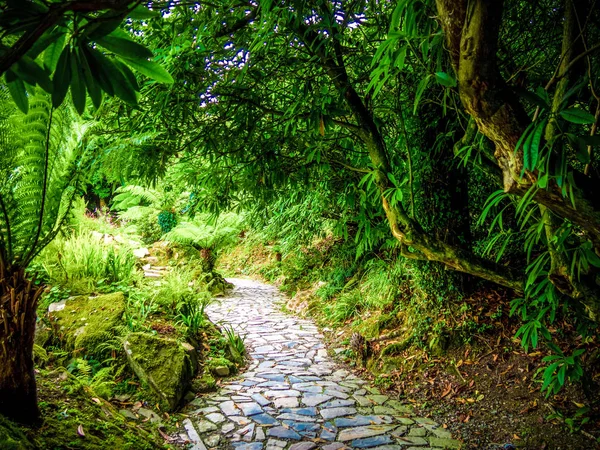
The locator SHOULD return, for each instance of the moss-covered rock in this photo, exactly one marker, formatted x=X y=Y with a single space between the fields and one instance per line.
x=11 y=436
x=83 y=323
x=215 y=364
x=205 y=383
x=162 y=364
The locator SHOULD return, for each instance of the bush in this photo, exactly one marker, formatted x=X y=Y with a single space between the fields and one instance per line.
x=84 y=263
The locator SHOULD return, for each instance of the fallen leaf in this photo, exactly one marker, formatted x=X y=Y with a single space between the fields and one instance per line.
x=447 y=390
x=96 y=400
x=80 y=431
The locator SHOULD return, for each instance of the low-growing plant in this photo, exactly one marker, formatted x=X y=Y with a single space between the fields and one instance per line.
x=82 y=262
x=234 y=340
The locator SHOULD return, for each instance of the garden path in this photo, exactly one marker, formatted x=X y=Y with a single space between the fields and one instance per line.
x=293 y=395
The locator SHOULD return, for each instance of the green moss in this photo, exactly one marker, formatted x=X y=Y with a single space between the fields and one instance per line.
x=161 y=363
x=12 y=437
x=87 y=322
x=396 y=348
x=205 y=383
x=220 y=362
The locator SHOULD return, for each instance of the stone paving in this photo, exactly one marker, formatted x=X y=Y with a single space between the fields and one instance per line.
x=293 y=395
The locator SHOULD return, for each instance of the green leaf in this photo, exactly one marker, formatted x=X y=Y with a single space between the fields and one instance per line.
x=95 y=60
x=77 y=84
x=32 y=73
x=92 y=86
x=142 y=12
x=580 y=147
x=125 y=47
x=105 y=24
x=578 y=116
x=129 y=75
x=445 y=79
x=62 y=78
x=420 y=89
x=52 y=53
x=44 y=42
x=121 y=86
x=18 y=93
x=151 y=70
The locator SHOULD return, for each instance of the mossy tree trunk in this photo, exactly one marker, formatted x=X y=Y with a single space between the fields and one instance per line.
x=18 y=301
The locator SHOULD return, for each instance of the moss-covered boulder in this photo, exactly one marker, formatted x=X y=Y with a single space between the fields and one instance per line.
x=163 y=364
x=83 y=323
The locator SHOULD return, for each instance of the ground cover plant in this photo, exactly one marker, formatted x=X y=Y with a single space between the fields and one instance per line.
x=422 y=173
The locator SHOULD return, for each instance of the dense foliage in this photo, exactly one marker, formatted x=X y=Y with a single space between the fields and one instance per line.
x=452 y=134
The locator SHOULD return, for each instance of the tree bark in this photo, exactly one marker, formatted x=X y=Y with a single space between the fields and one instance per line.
x=471 y=30
x=406 y=230
x=18 y=301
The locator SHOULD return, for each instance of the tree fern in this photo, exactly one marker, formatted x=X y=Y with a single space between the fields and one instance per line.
x=42 y=163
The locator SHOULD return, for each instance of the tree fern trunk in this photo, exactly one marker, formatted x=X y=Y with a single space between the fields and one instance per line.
x=18 y=301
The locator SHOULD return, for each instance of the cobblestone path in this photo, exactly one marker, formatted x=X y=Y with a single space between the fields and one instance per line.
x=293 y=396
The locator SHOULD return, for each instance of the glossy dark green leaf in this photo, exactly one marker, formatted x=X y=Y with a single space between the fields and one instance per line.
x=32 y=73
x=107 y=23
x=151 y=70
x=19 y=94
x=117 y=79
x=125 y=47
x=142 y=12
x=52 y=53
x=44 y=42
x=77 y=84
x=62 y=77
x=129 y=75
x=92 y=85
x=578 y=116
x=96 y=61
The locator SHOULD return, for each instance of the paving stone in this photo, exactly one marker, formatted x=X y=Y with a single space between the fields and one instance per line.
x=260 y=434
x=212 y=440
x=379 y=399
x=241 y=421
x=247 y=432
x=371 y=441
x=303 y=446
x=357 y=421
x=262 y=401
x=329 y=431
x=351 y=434
x=228 y=427
x=229 y=409
x=444 y=443
x=334 y=446
x=283 y=433
x=286 y=402
x=414 y=441
x=282 y=393
x=315 y=399
x=337 y=403
x=216 y=417
x=264 y=419
x=204 y=426
x=248 y=446
x=191 y=431
x=274 y=444
x=250 y=409
x=331 y=413
x=296 y=417
x=419 y=432
x=308 y=411
x=302 y=427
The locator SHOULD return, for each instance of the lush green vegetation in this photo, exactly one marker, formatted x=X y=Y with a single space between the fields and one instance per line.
x=399 y=164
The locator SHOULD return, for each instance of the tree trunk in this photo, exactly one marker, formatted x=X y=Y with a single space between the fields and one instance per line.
x=18 y=301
